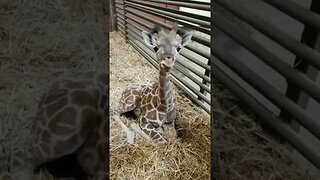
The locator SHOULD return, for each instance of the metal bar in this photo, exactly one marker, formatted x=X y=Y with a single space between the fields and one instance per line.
x=198 y=28
x=179 y=59
x=120 y=6
x=120 y=11
x=293 y=45
x=157 y=9
x=175 y=81
x=194 y=4
x=173 y=11
x=192 y=48
x=301 y=14
x=194 y=37
x=188 y=1
x=192 y=59
x=181 y=80
x=137 y=10
x=119 y=20
x=205 y=78
x=125 y=20
x=121 y=26
x=148 y=51
x=120 y=23
x=198 y=51
x=113 y=15
x=120 y=15
x=201 y=85
x=206 y=73
x=277 y=124
x=267 y=90
x=268 y=57
x=122 y=31
x=119 y=2
x=309 y=37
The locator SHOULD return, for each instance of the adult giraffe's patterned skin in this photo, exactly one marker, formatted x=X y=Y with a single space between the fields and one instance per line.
x=155 y=104
x=71 y=119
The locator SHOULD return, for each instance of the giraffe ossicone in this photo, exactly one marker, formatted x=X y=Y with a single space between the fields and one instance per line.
x=154 y=104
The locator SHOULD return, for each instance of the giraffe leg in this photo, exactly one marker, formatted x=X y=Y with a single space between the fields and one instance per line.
x=128 y=102
x=154 y=133
x=169 y=125
x=92 y=155
x=171 y=130
x=129 y=133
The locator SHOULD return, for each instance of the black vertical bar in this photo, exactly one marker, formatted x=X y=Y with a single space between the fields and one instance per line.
x=125 y=20
x=206 y=73
x=113 y=15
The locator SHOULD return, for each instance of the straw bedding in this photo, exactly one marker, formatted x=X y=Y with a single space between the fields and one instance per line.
x=245 y=150
x=40 y=42
x=185 y=158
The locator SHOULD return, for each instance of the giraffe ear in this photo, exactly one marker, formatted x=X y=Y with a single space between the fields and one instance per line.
x=185 y=38
x=148 y=38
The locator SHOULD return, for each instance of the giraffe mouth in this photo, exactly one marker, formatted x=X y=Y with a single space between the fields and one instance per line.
x=167 y=64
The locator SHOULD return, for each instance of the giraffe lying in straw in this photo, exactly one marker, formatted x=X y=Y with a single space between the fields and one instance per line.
x=154 y=105
x=70 y=120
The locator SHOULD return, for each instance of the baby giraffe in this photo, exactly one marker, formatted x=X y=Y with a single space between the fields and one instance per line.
x=154 y=105
x=71 y=119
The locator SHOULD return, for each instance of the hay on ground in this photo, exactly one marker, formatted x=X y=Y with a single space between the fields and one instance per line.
x=185 y=158
x=40 y=42
x=245 y=150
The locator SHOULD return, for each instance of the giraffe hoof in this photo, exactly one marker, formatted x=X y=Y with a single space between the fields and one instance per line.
x=130 y=137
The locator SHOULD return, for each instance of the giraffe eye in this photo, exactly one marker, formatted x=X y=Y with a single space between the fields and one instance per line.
x=155 y=49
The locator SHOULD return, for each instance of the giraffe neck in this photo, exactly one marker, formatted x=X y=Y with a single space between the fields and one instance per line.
x=164 y=86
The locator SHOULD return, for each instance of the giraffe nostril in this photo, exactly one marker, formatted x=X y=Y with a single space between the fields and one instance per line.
x=168 y=58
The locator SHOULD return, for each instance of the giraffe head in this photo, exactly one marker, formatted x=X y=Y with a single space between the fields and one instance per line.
x=166 y=45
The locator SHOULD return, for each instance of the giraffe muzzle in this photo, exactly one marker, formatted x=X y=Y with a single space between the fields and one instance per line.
x=168 y=62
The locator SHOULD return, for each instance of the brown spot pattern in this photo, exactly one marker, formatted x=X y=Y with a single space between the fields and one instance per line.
x=154 y=101
x=156 y=136
x=87 y=118
x=151 y=115
x=143 y=120
x=67 y=116
x=55 y=95
x=161 y=116
x=129 y=99
x=70 y=144
x=82 y=98
x=93 y=139
x=41 y=118
x=149 y=106
x=45 y=136
x=45 y=148
x=150 y=126
x=153 y=133
x=52 y=108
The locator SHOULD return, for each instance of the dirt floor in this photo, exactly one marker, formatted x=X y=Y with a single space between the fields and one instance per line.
x=185 y=158
x=42 y=41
